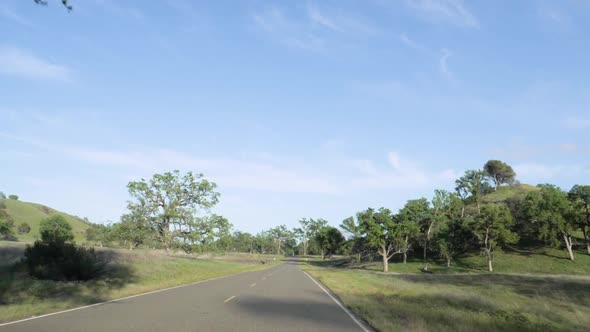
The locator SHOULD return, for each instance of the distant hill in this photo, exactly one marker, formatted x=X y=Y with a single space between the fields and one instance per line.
x=33 y=213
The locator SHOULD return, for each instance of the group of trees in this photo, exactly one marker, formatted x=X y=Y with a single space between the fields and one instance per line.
x=454 y=223
x=171 y=211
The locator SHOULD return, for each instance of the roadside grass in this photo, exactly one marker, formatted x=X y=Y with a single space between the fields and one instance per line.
x=127 y=273
x=461 y=302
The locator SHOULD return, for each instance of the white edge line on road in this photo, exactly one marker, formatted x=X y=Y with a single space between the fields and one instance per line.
x=231 y=298
x=356 y=320
x=121 y=299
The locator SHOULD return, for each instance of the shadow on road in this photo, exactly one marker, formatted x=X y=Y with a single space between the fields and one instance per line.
x=292 y=312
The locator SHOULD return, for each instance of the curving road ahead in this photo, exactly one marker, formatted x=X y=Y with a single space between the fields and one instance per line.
x=282 y=298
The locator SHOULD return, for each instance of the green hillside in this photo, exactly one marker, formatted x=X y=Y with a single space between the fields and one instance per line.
x=518 y=191
x=32 y=214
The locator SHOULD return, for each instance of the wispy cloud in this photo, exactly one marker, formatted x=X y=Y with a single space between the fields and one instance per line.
x=312 y=29
x=411 y=43
x=452 y=11
x=443 y=65
x=400 y=173
x=554 y=15
x=286 y=30
x=13 y=16
x=21 y=63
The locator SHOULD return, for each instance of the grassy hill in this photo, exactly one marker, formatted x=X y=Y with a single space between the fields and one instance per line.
x=33 y=213
x=518 y=191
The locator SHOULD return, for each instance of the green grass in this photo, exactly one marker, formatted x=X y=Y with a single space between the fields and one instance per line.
x=129 y=273
x=461 y=302
x=32 y=214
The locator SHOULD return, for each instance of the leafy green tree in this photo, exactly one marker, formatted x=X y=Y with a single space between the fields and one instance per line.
x=330 y=241
x=308 y=230
x=550 y=211
x=13 y=197
x=407 y=224
x=102 y=234
x=474 y=184
x=2 y=195
x=204 y=232
x=380 y=231
x=56 y=230
x=264 y=242
x=356 y=244
x=452 y=239
x=580 y=197
x=170 y=203
x=7 y=230
x=243 y=242
x=492 y=228
x=24 y=228
x=132 y=231
x=499 y=172
x=280 y=234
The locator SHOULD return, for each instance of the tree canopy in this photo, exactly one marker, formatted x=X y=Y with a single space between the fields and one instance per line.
x=499 y=172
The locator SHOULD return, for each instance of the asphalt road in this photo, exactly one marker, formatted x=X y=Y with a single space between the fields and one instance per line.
x=282 y=298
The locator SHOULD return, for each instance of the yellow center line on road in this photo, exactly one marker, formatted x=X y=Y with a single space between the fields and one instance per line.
x=254 y=284
x=231 y=298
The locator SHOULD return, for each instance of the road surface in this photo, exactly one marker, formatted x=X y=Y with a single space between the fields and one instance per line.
x=282 y=298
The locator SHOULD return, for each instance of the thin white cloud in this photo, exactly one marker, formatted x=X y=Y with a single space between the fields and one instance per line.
x=21 y=63
x=443 y=65
x=13 y=16
x=453 y=11
x=401 y=174
x=411 y=43
x=317 y=17
x=287 y=31
x=312 y=29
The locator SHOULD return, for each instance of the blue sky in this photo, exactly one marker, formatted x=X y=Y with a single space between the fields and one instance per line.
x=295 y=108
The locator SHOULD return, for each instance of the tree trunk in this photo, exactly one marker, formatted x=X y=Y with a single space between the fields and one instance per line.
x=568 y=245
x=490 y=267
x=385 y=259
x=448 y=262
x=323 y=255
x=587 y=238
x=405 y=257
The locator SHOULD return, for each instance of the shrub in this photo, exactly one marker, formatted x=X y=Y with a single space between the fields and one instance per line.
x=24 y=228
x=13 y=197
x=56 y=229
x=2 y=205
x=62 y=261
x=7 y=231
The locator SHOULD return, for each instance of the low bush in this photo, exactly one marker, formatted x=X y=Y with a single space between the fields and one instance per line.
x=24 y=228
x=62 y=261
